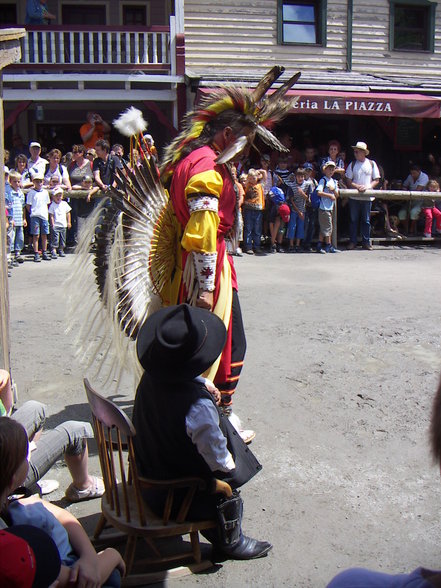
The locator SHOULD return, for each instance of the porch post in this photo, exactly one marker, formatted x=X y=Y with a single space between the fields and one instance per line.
x=9 y=52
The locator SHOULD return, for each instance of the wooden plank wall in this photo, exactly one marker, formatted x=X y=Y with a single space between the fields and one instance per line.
x=371 y=52
x=240 y=36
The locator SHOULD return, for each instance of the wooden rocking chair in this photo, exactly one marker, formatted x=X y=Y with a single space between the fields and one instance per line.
x=123 y=506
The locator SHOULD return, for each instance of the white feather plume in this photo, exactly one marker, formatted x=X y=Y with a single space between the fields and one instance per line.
x=130 y=122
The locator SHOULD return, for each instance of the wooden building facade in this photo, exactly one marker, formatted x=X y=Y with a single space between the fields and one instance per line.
x=370 y=70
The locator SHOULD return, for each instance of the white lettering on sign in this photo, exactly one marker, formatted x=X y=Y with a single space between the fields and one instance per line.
x=343 y=105
x=371 y=106
x=306 y=105
x=331 y=105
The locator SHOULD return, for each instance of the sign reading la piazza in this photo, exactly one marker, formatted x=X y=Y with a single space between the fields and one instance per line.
x=366 y=104
x=361 y=103
x=347 y=106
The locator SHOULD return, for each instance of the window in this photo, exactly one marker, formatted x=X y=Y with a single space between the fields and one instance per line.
x=412 y=25
x=302 y=22
x=134 y=15
x=83 y=14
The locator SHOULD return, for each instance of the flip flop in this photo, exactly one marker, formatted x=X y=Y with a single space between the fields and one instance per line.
x=95 y=490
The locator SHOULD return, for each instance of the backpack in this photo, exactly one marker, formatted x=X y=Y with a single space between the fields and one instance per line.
x=277 y=196
x=315 y=198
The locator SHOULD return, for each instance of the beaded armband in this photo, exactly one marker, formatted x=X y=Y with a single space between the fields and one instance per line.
x=203 y=202
x=205 y=266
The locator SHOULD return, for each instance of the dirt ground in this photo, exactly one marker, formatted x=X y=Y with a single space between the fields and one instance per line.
x=343 y=361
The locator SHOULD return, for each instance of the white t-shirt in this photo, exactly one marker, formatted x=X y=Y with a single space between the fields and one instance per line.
x=60 y=210
x=363 y=173
x=38 y=202
x=50 y=174
x=37 y=166
x=411 y=184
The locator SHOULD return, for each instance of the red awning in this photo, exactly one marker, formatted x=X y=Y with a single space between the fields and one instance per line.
x=363 y=103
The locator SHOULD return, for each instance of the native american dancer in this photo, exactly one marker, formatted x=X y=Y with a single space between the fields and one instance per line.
x=181 y=236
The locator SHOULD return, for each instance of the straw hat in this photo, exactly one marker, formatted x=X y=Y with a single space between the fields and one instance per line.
x=362 y=146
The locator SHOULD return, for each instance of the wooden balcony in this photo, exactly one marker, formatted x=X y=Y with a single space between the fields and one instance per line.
x=98 y=48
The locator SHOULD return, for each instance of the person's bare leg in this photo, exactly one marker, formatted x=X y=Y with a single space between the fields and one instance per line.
x=44 y=242
x=35 y=243
x=78 y=468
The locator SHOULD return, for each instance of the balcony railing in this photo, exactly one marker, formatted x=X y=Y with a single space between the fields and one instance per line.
x=97 y=48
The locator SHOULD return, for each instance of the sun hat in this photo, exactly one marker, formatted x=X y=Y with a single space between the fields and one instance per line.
x=34 y=144
x=28 y=558
x=307 y=165
x=284 y=212
x=362 y=146
x=328 y=164
x=57 y=190
x=180 y=342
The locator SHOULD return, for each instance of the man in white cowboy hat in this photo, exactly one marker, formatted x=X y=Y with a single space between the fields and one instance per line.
x=179 y=430
x=362 y=174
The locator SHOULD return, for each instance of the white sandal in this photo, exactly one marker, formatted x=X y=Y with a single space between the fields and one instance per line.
x=95 y=490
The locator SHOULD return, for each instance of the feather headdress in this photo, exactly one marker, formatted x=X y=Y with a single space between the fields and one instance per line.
x=258 y=110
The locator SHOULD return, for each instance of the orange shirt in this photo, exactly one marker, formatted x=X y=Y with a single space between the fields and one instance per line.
x=97 y=134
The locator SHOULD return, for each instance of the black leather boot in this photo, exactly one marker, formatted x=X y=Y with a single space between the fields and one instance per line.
x=232 y=541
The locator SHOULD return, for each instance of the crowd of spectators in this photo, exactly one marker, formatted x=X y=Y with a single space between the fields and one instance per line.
x=42 y=216
x=291 y=201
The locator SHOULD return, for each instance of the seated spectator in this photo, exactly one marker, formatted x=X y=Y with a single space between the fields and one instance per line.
x=430 y=211
x=81 y=565
x=417 y=180
x=178 y=431
x=68 y=439
x=54 y=170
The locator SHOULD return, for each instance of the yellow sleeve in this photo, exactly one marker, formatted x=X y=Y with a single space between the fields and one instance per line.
x=208 y=182
x=200 y=233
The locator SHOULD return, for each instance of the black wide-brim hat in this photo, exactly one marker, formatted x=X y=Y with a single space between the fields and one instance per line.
x=180 y=342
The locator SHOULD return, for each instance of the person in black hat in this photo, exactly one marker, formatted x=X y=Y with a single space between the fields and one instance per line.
x=180 y=432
